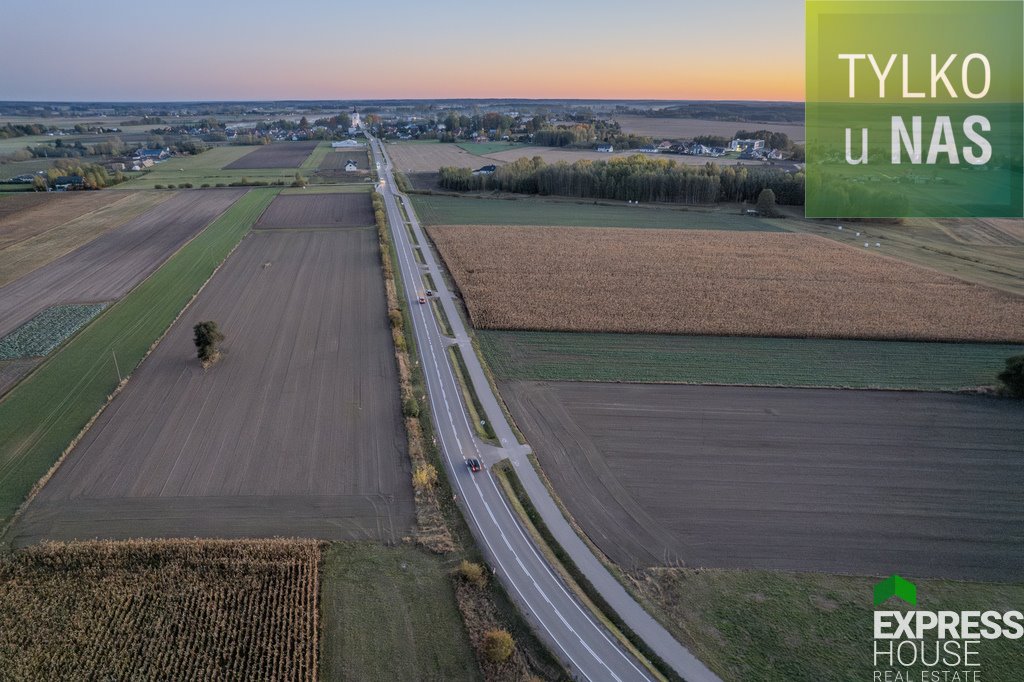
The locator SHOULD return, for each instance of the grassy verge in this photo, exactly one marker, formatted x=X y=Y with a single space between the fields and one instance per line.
x=484 y=429
x=579 y=582
x=647 y=358
x=442 y=317
x=389 y=613
x=312 y=161
x=733 y=621
x=494 y=386
x=43 y=414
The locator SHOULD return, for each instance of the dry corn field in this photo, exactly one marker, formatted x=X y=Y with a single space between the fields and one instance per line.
x=710 y=282
x=161 y=610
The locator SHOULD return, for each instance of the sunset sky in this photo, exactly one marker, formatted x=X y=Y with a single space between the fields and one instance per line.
x=324 y=49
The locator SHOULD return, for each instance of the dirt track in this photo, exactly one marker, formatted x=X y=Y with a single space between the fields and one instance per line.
x=295 y=432
x=857 y=482
x=350 y=209
x=110 y=265
x=278 y=155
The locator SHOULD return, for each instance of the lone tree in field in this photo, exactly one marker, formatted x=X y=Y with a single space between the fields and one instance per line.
x=1013 y=377
x=766 y=202
x=498 y=646
x=208 y=338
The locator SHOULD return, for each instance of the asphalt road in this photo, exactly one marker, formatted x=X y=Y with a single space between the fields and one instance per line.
x=587 y=649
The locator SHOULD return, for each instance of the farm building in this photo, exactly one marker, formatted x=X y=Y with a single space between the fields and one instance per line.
x=606 y=148
x=344 y=144
x=745 y=145
x=485 y=170
x=67 y=183
x=350 y=166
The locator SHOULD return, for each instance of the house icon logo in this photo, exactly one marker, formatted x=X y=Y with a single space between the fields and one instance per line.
x=895 y=586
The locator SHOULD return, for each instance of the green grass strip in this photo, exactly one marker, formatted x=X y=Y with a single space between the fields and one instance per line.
x=442 y=317
x=645 y=358
x=484 y=429
x=41 y=416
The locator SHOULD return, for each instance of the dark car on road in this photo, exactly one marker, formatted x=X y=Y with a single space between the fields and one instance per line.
x=474 y=465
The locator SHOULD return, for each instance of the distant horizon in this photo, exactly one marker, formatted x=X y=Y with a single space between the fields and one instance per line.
x=348 y=100
x=735 y=50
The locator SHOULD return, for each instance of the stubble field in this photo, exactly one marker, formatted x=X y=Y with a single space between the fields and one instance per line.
x=33 y=238
x=688 y=128
x=315 y=449
x=856 y=482
x=556 y=154
x=107 y=267
x=712 y=283
x=23 y=218
x=425 y=157
x=161 y=610
x=352 y=209
x=277 y=155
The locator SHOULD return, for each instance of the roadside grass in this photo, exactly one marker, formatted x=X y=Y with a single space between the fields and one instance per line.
x=436 y=209
x=389 y=613
x=652 y=358
x=442 y=318
x=43 y=414
x=766 y=625
x=483 y=428
x=482 y=148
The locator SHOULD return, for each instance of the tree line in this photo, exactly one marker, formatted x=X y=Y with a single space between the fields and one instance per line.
x=633 y=178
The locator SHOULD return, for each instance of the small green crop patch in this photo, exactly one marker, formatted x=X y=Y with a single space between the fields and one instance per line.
x=476 y=210
x=652 y=358
x=47 y=330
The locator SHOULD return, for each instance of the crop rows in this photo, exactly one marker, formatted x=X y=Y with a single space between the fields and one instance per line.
x=712 y=283
x=157 y=610
x=47 y=330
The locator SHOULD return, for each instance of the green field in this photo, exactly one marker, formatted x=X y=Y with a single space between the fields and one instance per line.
x=448 y=210
x=389 y=613
x=562 y=356
x=41 y=416
x=208 y=168
x=762 y=625
x=481 y=148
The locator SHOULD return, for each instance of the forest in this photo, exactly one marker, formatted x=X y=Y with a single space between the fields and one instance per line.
x=633 y=178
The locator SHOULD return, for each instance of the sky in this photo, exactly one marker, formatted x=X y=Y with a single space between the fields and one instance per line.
x=191 y=50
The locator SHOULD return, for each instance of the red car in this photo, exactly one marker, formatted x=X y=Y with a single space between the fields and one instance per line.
x=474 y=465
x=422 y=299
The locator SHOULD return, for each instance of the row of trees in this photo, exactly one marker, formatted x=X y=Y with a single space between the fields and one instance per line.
x=22 y=129
x=634 y=178
x=94 y=175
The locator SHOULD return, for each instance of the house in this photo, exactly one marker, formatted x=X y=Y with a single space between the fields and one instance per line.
x=647 y=150
x=606 y=148
x=65 y=183
x=345 y=143
x=153 y=154
x=665 y=146
x=350 y=166
x=697 y=149
x=485 y=170
x=745 y=145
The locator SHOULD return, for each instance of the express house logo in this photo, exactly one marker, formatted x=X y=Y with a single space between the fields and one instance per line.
x=919 y=645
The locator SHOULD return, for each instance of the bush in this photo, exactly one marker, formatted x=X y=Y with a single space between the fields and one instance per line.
x=410 y=408
x=220 y=184
x=766 y=202
x=498 y=646
x=186 y=185
x=205 y=185
x=158 y=186
x=425 y=476
x=1013 y=377
x=473 y=573
x=171 y=187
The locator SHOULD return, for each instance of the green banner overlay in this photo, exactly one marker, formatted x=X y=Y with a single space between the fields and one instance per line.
x=915 y=108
